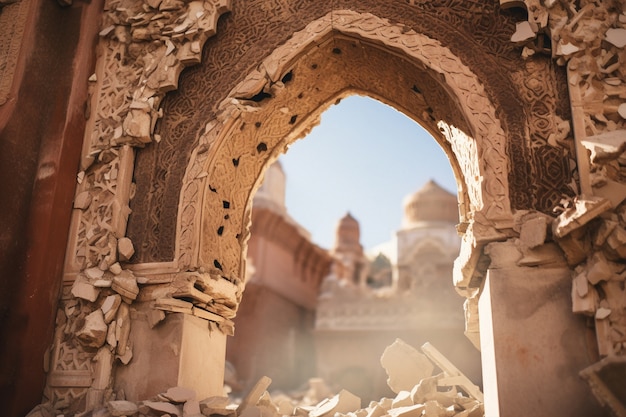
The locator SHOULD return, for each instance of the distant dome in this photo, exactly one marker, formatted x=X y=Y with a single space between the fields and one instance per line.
x=272 y=189
x=431 y=203
x=348 y=234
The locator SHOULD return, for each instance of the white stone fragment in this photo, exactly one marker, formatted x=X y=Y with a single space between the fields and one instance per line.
x=82 y=288
x=622 y=110
x=94 y=331
x=343 y=402
x=603 y=313
x=524 y=32
x=125 y=249
x=616 y=37
x=405 y=366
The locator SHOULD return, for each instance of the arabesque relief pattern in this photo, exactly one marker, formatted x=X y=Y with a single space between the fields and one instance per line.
x=589 y=39
x=143 y=48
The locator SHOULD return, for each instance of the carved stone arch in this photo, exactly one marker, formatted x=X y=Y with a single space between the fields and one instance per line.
x=230 y=157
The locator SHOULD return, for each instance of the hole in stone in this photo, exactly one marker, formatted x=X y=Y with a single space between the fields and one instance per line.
x=220 y=230
x=212 y=189
x=260 y=96
x=417 y=90
x=227 y=217
x=217 y=264
x=236 y=162
x=226 y=204
x=261 y=147
x=198 y=286
x=293 y=119
x=237 y=236
x=300 y=95
x=336 y=51
x=257 y=125
x=287 y=77
x=314 y=66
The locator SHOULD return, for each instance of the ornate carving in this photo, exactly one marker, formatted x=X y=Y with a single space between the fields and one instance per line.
x=236 y=161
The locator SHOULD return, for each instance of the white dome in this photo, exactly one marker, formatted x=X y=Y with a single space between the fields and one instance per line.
x=431 y=203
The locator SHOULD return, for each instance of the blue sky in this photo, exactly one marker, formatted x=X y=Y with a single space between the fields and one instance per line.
x=363 y=158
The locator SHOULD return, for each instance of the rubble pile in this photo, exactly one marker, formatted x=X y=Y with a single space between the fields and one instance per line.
x=410 y=376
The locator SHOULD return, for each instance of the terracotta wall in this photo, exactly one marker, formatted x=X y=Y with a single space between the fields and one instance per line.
x=41 y=132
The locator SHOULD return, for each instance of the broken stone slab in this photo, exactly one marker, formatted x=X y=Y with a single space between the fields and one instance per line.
x=598 y=269
x=179 y=394
x=125 y=284
x=215 y=405
x=426 y=387
x=83 y=200
x=580 y=213
x=82 y=288
x=451 y=371
x=524 y=32
x=405 y=366
x=376 y=411
x=109 y=307
x=605 y=146
x=94 y=273
x=122 y=328
x=122 y=408
x=584 y=297
x=94 y=331
x=403 y=399
x=174 y=305
x=343 y=402
x=255 y=394
x=154 y=317
x=534 y=231
x=164 y=407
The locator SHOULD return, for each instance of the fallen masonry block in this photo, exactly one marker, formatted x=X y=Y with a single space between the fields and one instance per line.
x=455 y=377
x=179 y=394
x=405 y=366
x=122 y=408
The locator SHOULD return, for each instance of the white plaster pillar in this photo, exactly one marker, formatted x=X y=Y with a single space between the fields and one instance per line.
x=533 y=346
x=182 y=350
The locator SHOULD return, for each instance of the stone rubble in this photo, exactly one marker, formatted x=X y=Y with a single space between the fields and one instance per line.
x=419 y=394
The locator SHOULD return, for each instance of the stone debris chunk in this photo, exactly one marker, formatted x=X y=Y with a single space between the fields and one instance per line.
x=125 y=285
x=109 y=307
x=403 y=399
x=616 y=37
x=122 y=408
x=405 y=366
x=125 y=249
x=255 y=394
x=164 y=407
x=410 y=411
x=83 y=200
x=216 y=406
x=94 y=331
x=579 y=214
x=82 y=288
x=534 y=232
x=179 y=394
x=524 y=31
x=191 y=408
x=343 y=402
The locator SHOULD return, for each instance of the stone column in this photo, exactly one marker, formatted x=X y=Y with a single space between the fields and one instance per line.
x=182 y=350
x=532 y=345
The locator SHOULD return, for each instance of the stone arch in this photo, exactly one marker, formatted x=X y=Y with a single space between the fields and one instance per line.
x=212 y=226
